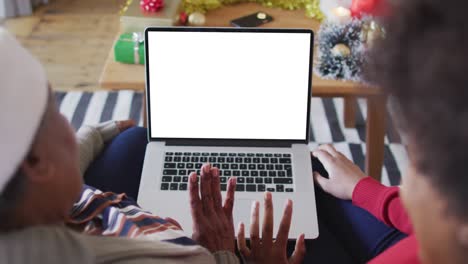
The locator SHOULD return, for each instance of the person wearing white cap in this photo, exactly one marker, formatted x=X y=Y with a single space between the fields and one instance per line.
x=47 y=214
x=40 y=178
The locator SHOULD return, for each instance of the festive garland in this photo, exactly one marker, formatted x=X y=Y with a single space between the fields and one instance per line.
x=311 y=7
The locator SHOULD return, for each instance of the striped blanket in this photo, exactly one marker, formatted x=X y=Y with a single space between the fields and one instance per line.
x=110 y=214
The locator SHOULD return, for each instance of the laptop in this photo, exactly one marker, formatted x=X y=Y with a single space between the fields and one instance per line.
x=238 y=99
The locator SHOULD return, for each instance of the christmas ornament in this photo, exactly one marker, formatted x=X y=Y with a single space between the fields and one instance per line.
x=183 y=18
x=340 y=50
x=327 y=6
x=376 y=8
x=196 y=19
x=340 y=15
x=151 y=5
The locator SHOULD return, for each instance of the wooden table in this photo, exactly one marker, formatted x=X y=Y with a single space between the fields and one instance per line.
x=124 y=76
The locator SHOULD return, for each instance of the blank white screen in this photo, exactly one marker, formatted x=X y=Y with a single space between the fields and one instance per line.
x=228 y=85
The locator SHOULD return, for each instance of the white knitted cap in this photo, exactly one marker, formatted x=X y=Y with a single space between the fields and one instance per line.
x=23 y=99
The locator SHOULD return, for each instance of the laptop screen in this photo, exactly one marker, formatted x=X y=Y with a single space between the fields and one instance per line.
x=229 y=84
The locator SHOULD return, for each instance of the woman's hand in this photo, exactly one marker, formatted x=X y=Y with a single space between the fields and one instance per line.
x=267 y=250
x=343 y=174
x=213 y=226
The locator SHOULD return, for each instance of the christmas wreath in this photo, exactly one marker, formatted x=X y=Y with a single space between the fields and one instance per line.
x=340 y=51
x=345 y=37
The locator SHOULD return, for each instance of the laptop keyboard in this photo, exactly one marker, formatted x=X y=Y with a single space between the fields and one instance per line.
x=255 y=172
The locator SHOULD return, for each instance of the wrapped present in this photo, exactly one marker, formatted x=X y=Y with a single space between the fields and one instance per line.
x=130 y=48
x=134 y=19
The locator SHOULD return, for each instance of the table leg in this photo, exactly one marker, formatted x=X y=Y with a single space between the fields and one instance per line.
x=143 y=109
x=350 y=104
x=376 y=114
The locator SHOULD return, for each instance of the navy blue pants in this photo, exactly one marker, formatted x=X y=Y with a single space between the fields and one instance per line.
x=348 y=234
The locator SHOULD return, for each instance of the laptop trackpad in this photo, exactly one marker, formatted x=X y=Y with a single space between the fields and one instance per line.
x=242 y=211
x=243 y=206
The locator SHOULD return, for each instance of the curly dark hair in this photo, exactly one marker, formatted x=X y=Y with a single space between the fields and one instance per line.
x=423 y=65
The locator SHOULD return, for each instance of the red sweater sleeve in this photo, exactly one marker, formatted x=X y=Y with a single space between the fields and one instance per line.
x=383 y=202
x=404 y=252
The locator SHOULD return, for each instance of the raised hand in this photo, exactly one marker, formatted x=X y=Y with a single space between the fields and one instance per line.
x=213 y=226
x=266 y=249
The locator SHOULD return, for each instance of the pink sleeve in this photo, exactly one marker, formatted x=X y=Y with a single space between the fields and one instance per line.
x=383 y=202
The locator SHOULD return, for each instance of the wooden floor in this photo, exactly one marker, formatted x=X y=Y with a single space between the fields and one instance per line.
x=71 y=38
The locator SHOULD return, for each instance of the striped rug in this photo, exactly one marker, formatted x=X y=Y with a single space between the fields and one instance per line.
x=327 y=124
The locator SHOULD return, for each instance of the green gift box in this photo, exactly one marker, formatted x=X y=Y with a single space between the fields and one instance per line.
x=130 y=48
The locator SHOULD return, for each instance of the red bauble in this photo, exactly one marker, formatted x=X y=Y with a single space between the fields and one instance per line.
x=369 y=7
x=151 y=5
x=183 y=18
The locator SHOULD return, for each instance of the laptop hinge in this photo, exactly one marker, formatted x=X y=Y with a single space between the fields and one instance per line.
x=231 y=143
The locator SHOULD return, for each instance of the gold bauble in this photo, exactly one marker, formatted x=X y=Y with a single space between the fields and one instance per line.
x=341 y=50
x=196 y=19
